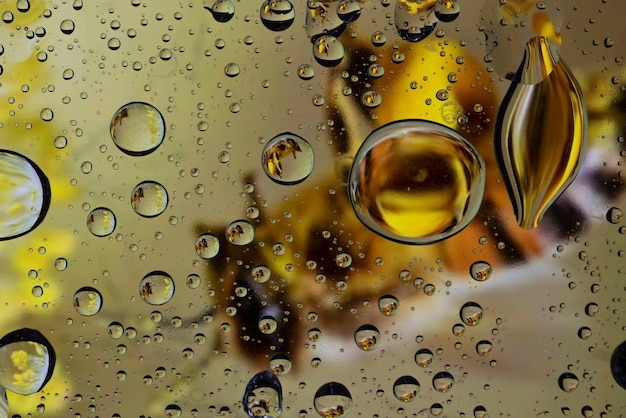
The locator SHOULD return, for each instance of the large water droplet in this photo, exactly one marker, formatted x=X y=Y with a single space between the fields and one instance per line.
x=149 y=199
x=27 y=361
x=424 y=357
x=447 y=10
x=137 y=128
x=24 y=195
x=332 y=400
x=416 y=182
x=101 y=222
x=328 y=51
x=568 y=382
x=618 y=364
x=277 y=15
x=222 y=10
x=471 y=313
x=287 y=159
x=367 y=337
x=541 y=132
x=443 y=381
x=87 y=301
x=280 y=364
x=240 y=233
x=406 y=388
x=349 y=10
x=263 y=396
x=415 y=19
x=207 y=246
x=156 y=288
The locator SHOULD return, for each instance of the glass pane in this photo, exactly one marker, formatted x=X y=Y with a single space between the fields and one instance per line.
x=323 y=208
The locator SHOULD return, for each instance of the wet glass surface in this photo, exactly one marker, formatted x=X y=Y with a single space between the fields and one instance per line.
x=200 y=214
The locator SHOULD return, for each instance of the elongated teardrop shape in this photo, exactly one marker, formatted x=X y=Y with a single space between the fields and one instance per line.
x=541 y=132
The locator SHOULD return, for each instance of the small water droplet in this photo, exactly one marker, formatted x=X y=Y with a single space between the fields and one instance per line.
x=406 y=388
x=458 y=329
x=280 y=364
x=101 y=222
x=24 y=195
x=306 y=72
x=207 y=246
x=584 y=333
x=328 y=51
x=87 y=301
x=67 y=26
x=261 y=274
x=232 y=69
x=371 y=99
x=388 y=305
x=378 y=38
x=240 y=233
x=278 y=163
x=156 y=288
x=416 y=182
x=46 y=114
x=447 y=10
x=137 y=128
x=424 y=357
x=149 y=199
x=592 y=309
x=471 y=313
x=343 y=260
x=367 y=337
x=480 y=271
x=614 y=215
x=22 y=5
x=349 y=10
x=267 y=325
x=332 y=400
x=222 y=10
x=480 y=412
x=263 y=396
x=443 y=381
x=483 y=347
x=115 y=330
x=568 y=382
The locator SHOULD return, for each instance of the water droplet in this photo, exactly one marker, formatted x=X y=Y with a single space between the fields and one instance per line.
x=306 y=72
x=328 y=51
x=376 y=71
x=618 y=364
x=388 y=305
x=27 y=361
x=101 y=222
x=436 y=409
x=240 y=233
x=87 y=301
x=60 y=264
x=447 y=10
x=592 y=309
x=149 y=199
x=406 y=388
x=278 y=163
x=277 y=15
x=232 y=69
x=193 y=281
x=263 y=396
x=416 y=182
x=115 y=330
x=415 y=19
x=480 y=412
x=471 y=313
x=24 y=195
x=480 y=271
x=314 y=334
x=23 y=5
x=280 y=364
x=156 y=288
x=483 y=347
x=268 y=325
x=458 y=329
x=367 y=337
x=378 y=38
x=343 y=260
x=207 y=246
x=568 y=382
x=584 y=333
x=443 y=381
x=540 y=154
x=332 y=400
x=614 y=215
x=222 y=10
x=371 y=99
x=46 y=114
x=424 y=357
x=261 y=274
x=137 y=128
x=67 y=26
x=349 y=10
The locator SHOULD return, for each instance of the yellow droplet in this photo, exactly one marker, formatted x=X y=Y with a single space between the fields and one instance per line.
x=541 y=132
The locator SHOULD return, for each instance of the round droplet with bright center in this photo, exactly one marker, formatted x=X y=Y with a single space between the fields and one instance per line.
x=115 y=330
x=261 y=274
x=87 y=301
x=222 y=10
x=388 y=305
x=483 y=347
x=287 y=159
x=349 y=10
x=149 y=199
x=280 y=364
x=101 y=222
x=277 y=15
x=24 y=195
x=263 y=396
x=332 y=400
x=367 y=337
x=328 y=51
x=480 y=271
x=568 y=382
x=416 y=182
x=424 y=357
x=268 y=325
x=156 y=288
x=27 y=361
x=615 y=215
x=240 y=233
x=447 y=10
x=443 y=381
x=306 y=72
x=137 y=128
x=207 y=246
x=471 y=313
x=406 y=388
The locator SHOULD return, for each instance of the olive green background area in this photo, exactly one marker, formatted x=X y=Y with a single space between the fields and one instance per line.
x=197 y=353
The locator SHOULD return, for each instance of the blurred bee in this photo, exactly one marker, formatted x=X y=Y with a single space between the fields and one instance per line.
x=277 y=152
x=315 y=221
